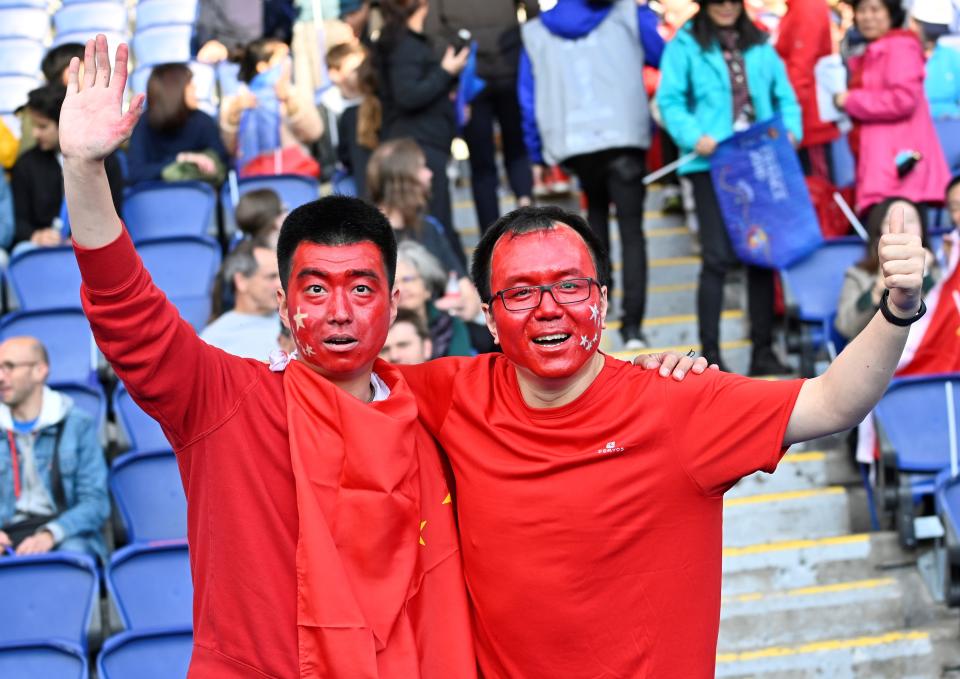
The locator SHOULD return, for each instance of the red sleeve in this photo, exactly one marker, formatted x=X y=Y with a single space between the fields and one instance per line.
x=727 y=426
x=432 y=384
x=185 y=384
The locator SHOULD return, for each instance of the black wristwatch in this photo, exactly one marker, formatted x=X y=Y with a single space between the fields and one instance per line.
x=896 y=320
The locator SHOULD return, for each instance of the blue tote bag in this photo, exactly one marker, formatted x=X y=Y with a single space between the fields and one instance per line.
x=763 y=196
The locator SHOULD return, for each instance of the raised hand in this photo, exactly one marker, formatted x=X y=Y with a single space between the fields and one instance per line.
x=92 y=124
x=901 y=264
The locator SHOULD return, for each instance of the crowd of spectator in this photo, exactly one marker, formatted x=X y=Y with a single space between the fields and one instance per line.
x=368 y=98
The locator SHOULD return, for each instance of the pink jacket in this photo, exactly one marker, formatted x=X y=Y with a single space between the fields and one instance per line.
x=894 y=116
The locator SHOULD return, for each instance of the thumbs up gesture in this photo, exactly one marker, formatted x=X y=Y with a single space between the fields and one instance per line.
x=901 y=264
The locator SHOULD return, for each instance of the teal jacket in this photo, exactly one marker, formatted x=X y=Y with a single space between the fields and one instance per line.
x=695 y=96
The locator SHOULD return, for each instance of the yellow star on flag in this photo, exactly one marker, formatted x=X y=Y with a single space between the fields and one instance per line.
x=447 y=500
x=422 y=524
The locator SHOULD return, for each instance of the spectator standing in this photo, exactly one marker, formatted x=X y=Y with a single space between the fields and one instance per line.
x=863 y=282
x=583 y=100
x=415 y=91
x=265 y=71
x=248 y=330
x=421 y=280
x=897 y=149
x=53 y=478
x=494 y=26
x=354 y=101
x=719 y=75
x=37 y=176
x=804 y=38
x=175 y=141
x=408 y=342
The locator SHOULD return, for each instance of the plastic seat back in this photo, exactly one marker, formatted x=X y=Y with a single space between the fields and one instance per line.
x=163 y=44
x=293 y=190
x=49 y=596
x=66 y=335
x=912 y=400
x=92 y=18
x=21 y=56
x=30 y=660
x=157 y=654
x=184 y=268
x=45 y=278
x=165 y=209
x=151 y=585
x=149 y=495
x=141 y=430
x=14 y=89
x=151 y=13
x=813 y=284
x=114 y=38
x=24 y=21
x=89 y=398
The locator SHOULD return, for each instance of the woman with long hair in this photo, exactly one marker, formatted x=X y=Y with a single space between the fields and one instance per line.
x=415 y=88
x=398 y=182
x=897 y=148
x=175 y=140
x=720 y=75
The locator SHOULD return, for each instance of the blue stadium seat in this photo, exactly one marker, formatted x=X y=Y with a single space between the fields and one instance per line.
x=163 y=209
x=948 y=130
x=184 y=268
x=48 y=596
x=45 y=278
x=947 y=501
x=21 y=56
x=88 y=397
x=812 y=288
x=14 y=89
x=155 y=654
x=91 y=17
x=114 y=38
x=66 y=335
x=152 y=13
x=35 y=659
x=912 y=456
x=294 y=191
x=151 y=585
x=141 y=430
x=23 y=3
x=24 y=21
x=149 y=495
x=163 y=44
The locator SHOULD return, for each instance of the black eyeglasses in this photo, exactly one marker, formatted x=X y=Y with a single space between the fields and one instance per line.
x=569 y=291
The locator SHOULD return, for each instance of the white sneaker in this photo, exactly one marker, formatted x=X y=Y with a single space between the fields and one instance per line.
x=635 y=344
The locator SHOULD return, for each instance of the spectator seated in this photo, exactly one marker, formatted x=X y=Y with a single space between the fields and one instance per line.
x=294 y=191
x=151 y=586
x=158 y=654
x=149 y=495
x=33 y=659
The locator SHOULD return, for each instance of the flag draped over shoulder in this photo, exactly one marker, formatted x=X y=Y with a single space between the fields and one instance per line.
x=933 y=345
x=379 y=579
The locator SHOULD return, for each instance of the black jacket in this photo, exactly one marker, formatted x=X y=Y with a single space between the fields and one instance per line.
x=37 y=183
x=415 y=93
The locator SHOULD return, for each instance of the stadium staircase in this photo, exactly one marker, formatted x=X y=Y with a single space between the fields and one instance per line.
x=808 y=589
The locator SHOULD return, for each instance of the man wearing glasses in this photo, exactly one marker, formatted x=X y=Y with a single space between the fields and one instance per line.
x=590 y=494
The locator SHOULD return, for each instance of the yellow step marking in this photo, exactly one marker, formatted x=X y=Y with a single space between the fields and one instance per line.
x=676 y=320
x=823 y=646
x=676 y=287
x=790 y=545
x=679 y=349
x=782 y=497
x=672 y=261
x=834 y=588
x=797 y=458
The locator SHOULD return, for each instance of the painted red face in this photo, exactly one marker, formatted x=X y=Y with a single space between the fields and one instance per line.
x=338 y=304
x=552 y=340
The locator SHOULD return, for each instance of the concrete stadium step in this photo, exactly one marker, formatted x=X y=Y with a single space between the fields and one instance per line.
x=795 y=515
x=682 y=328
x=806 y=614
x=799 y=471
x=782 y=564
x=903 y=654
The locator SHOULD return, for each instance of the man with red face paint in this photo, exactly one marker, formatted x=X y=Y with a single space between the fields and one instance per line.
x=321 y=529
x=589 y=493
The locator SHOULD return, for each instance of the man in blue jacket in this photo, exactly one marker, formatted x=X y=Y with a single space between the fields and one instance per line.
x=53 y=478
x=584 y=105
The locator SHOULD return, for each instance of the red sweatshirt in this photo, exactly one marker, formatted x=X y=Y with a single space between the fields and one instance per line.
x=226 y=418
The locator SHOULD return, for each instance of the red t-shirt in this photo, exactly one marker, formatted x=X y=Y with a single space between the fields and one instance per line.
x=591 y=533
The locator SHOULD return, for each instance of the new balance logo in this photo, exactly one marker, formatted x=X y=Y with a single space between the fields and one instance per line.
x=611 y=447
